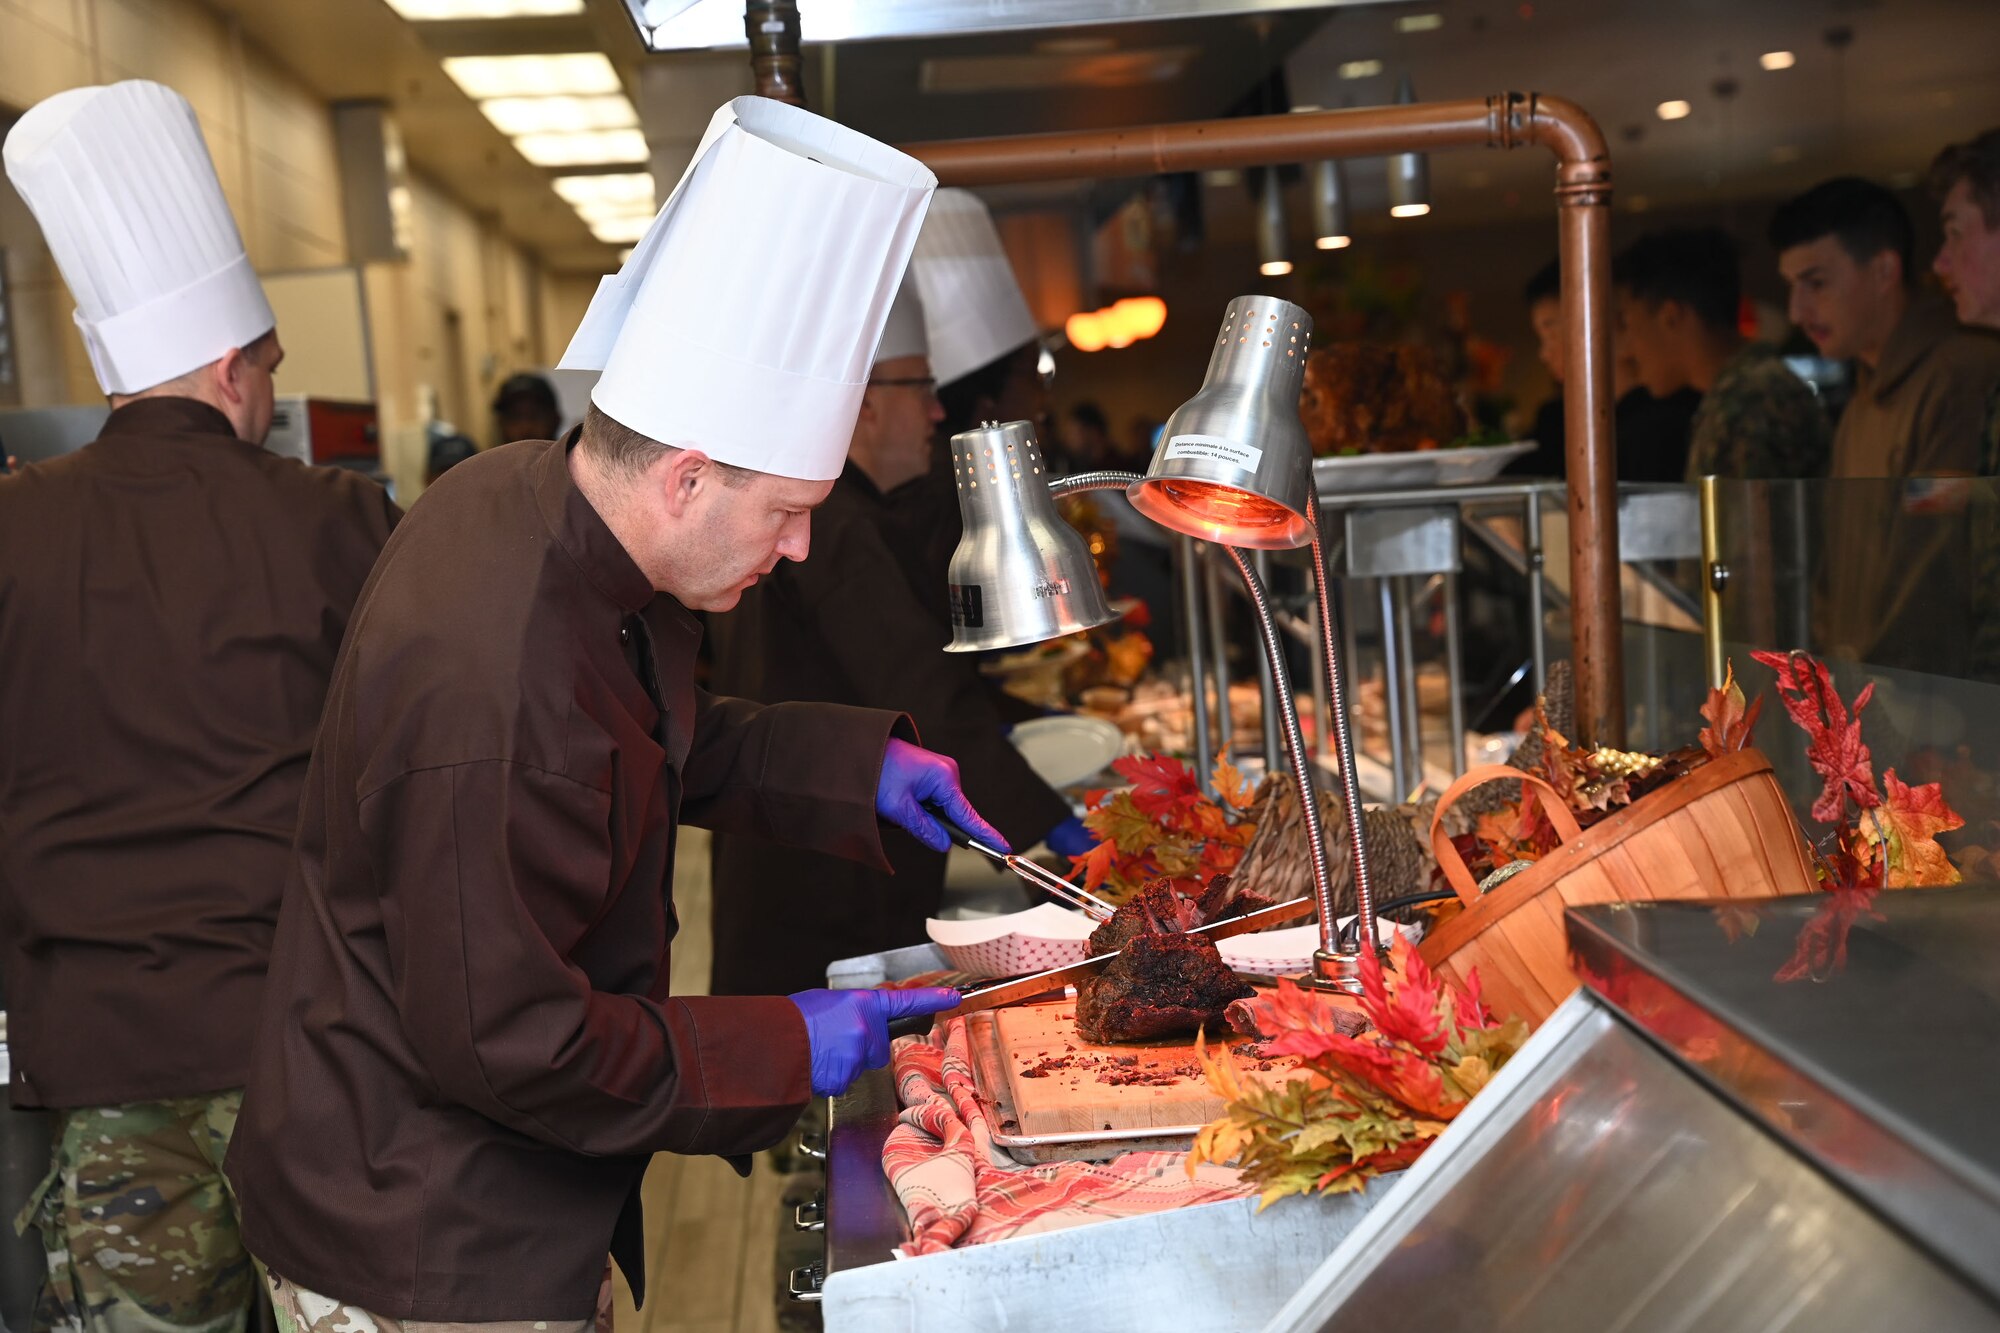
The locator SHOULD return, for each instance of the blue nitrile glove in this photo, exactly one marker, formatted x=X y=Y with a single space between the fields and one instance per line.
x=913 y=778
x=1070 y=838
x=848 y=1030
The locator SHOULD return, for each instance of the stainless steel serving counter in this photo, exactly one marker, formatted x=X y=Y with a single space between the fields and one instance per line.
x=1711 y=1136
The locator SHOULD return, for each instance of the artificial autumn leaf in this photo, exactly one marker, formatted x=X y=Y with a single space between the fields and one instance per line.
x=1411 y=1014
x=1729 y=721
x=1164 y=825
x=1834 y=746
x=1906 y=826
x=1232 y=788
x=1161 y=787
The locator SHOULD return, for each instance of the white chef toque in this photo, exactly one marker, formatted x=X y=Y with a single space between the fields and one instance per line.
x=745 y=322
x=904 y=334
x=973 y=305
x=120 y=180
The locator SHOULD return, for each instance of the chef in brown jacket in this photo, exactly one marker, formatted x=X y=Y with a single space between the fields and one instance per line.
x=850 y=626
x=172 y=598
x=472 y=1044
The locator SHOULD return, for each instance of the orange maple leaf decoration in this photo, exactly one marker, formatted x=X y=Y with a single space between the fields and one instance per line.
x=1729 y=721
x=1905 y=826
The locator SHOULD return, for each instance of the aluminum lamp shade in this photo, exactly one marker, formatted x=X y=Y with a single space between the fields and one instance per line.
x=1020 y=575
x=1234 y=465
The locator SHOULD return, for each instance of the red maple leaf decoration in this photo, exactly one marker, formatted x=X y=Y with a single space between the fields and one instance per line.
x=1411 y=1013
x=1729 y=721
x=1162 y=788
x=1833 y=736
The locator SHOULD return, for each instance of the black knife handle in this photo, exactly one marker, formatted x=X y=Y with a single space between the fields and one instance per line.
x=911 y=1025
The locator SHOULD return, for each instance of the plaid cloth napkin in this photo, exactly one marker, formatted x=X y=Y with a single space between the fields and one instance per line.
x=959 y=1189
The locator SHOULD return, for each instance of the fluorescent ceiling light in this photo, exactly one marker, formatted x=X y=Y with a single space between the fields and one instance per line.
x=1420 y=23
x=1775 y=60
x=597 y=148
x=1674 y=110
x=1409 y=210
x=435 y=11
x=621 y=231
x=1360 y=69
x=630 y=187
x=560 y=115
x=1276 y=268
x=1334 y=242
x=574 y=72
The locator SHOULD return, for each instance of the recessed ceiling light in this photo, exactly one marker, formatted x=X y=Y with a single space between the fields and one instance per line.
x=1360 y=69
x=1409 y=210
x=625 y=256
x=574 y=72
x=1334 y=242
x=1420 y=23
x=1674 y=110
x=597 y=148
x=560 y=115
x=1276 y=268
x=434 y=11
x=621 y=231
x=625 y=187
x=1775 y=60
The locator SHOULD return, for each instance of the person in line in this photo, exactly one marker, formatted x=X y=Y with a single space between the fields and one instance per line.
x=525 y=408
x=848 y=627
x=1679 y=293
x=1921 y=383
x=1965 y=180
x=172 y=597
x=472 y=1045
x=1652 y=433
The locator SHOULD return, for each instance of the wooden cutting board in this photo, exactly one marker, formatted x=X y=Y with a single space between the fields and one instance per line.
x=1062 y=1084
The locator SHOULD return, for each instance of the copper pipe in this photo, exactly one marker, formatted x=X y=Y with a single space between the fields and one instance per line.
x=773 y=29
x=1509 y=120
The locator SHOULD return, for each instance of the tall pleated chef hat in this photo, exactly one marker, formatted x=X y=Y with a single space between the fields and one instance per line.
x=120 y=180
x=973 y=305
x=904 y=334
x=748 y=316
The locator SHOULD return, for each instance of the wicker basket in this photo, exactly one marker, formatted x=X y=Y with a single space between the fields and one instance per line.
x=1722 y=831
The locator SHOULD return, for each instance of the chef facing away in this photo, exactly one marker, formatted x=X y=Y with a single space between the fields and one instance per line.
x=172 y=601
x=471 y=1047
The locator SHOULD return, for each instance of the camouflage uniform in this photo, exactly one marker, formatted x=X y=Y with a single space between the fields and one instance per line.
x=1759 y=420
x=1983 y=530
x=138 y=1223
x=302 y=1311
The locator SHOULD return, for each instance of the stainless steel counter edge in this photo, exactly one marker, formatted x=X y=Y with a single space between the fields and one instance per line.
x=1897 y=1174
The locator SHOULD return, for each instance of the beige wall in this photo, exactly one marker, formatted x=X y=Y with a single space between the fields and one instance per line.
x=466 y=310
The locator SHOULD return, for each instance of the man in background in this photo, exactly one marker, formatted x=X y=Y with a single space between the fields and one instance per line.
x=1678 y=294
x=1965 y=179
x=172 y=598
x=1652 y=433
x=525 y=408
x=848 y=627
x=1894 y=588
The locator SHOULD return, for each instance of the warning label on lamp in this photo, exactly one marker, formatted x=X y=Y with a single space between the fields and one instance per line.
x=1215 y=448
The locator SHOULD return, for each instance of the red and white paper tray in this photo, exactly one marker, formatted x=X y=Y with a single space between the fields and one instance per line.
x=1040 y=938
x=1288 y=952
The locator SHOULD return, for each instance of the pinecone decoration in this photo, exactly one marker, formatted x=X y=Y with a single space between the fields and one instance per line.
x=1276 y=864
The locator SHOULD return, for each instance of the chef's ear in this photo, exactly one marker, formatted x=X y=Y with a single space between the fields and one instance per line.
x=684 y=476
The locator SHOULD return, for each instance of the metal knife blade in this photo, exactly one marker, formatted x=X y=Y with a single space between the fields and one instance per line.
x=1041 y=983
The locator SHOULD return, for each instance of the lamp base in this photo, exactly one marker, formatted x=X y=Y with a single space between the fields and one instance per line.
x=1336 y=972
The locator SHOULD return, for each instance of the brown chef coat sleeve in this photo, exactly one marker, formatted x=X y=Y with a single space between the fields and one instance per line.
x=492 y=873
x=891 y=649
x=800 y=774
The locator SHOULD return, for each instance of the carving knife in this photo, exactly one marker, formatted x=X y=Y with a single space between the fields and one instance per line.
x=1004 y=993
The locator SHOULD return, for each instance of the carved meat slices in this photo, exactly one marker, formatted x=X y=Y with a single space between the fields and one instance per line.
x=1164 y=982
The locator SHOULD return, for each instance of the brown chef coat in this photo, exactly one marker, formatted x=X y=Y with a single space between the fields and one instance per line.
x=470 y=1048
x=171 y=601
x=1894 y=588
x=848 y=626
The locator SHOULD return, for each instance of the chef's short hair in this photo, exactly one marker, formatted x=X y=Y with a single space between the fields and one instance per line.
x=625 y=451
x=1977 y=163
